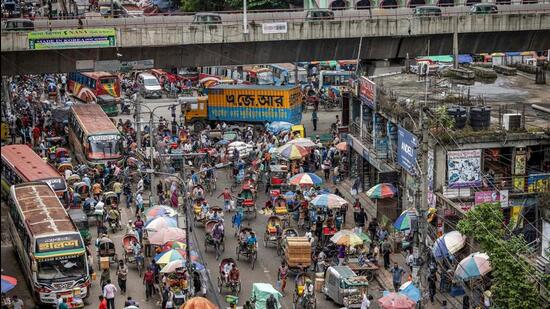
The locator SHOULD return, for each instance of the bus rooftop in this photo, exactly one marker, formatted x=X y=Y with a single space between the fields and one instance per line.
x=90 y=117
x=33 y=166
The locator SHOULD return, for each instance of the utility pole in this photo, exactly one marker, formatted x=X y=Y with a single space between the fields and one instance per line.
x=138 y=121
x=455 y=44
x=152 y=160
x=245 y=18
x=296 y=81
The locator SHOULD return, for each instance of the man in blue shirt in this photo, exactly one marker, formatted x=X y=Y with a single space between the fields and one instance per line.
x=397 y=275
x=251 y=241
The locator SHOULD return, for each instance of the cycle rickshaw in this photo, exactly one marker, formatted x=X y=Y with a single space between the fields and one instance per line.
x=223 y=278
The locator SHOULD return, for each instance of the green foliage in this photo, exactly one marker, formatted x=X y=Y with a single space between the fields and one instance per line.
x=202 y=5
x=259 y=4
x=513 y=283
x=441 y=119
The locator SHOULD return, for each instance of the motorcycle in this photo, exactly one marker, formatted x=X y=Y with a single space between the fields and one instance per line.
x=125 y=106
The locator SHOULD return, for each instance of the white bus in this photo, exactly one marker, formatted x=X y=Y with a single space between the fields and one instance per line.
x=49 y=246
x=285 y=73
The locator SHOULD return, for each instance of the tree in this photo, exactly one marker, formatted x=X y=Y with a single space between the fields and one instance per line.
x=514 y=283
x=202 y=5
x=259 y=4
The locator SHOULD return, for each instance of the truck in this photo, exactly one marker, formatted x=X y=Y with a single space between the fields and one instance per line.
x=250 y=104
x=344 y=287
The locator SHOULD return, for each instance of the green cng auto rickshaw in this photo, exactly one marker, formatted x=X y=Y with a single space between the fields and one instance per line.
x=109 y=104
x=80 y=219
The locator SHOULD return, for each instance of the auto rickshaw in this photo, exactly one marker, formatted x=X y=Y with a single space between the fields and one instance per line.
x=80 y=219
x=62 y=155
x=106 y=248
x=278 y=175
x=110 y=198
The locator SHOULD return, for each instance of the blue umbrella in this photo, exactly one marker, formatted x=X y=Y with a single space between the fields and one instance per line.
x=289 y=195
x=408 y=289
x=8 y=283
x=276 y=127
x=223 y=142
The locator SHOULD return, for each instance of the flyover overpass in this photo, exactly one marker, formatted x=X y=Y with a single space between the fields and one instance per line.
x=370 y=35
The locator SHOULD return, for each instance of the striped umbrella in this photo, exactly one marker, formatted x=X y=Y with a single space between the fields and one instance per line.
x=381 y=191
x=448 y=244
x=405 y=221
x=8 y=283
x=330 y=200
x=292 y=152
x=346 y=238
x=164 y=258
x=174 y=245
x=158 y=223
x=473 y=266
x=172 y=266
x=167 y=234
x=305 y=179
x=304 y=142
x=159 y=211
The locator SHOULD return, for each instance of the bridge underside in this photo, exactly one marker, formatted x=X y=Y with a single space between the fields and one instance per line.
x=26 y=62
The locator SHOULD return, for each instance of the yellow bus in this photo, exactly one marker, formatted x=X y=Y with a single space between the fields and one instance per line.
x=21 y=164
x=93 y=136
x=48 y=244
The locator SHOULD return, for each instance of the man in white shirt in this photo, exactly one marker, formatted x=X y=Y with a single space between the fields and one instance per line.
x=365 y=303
x=109 y=291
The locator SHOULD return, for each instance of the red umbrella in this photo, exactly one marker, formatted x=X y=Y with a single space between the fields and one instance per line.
x=396 y=301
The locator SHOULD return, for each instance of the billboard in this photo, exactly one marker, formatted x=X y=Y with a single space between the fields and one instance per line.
x=464 y=168
x=407 y=145
x=486 y=197
x=367 y=92
x=72 y=38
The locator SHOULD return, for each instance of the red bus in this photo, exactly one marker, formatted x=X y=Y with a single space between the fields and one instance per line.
x=88 y=86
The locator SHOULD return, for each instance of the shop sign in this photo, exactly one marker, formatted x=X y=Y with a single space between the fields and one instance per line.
x=280 y=27
x=367 y=92
x=504 y=195
x=72 y=38
x=538 y=183
x=407 y=145
x=430 y=177
x=520 y=163
x=519 y=183
x=483 y=197
x=58 y=243
x=464 y=168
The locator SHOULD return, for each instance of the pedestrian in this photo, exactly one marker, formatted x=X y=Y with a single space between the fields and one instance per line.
x=410 y=259
x=361 y=219
x=139 y=224
x=444 y=305
x=102 y=302
x=271 y=302
x=465 y=302
x=314 y=119
x=139 y=203
x=149 y=281
x=122 y=273
x=105 y=276
x=356 y=208
x=109 y=292
x=326 y=168
x=282 y=274
x=341 y=255
x=226 y=199
x=397 y=276
x=117 y=188
x=365 y=303
x=62 y=303
x=373 y=228
x=17 y=302
x=386 y=250
x=432 y=280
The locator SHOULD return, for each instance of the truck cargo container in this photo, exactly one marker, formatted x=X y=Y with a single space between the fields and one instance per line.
x=246 y=104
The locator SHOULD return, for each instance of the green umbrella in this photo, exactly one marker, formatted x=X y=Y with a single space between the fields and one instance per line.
x=364 y=237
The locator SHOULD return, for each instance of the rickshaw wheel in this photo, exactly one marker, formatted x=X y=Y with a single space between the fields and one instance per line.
x=265 y=240
x=239 y=287
x=253 y=260
x=237 y=252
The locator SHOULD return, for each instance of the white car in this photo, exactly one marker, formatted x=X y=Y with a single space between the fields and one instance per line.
x=149 y=86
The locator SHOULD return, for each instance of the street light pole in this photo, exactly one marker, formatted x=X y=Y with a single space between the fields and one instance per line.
x=245 y=18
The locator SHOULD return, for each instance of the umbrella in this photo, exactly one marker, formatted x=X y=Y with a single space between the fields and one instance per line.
x=364 y=237
x=174 y=245
x=382 y=190
x=292 y=152
x=448 y=244
x=8 y=283
x=223 y=142
x=347 y=238
x=173 y=265
x=198 y=303
x=289 y=195
x=330 y=200
x=396 y=301
x=473 y=266
x=410 y=290
x=167 y=234
x=305 y=179
x=159 y=211
x=304 y=142
x=170 y=256
x=158 y=223
x=405 y=220
x=237 y=144
x=342 y=146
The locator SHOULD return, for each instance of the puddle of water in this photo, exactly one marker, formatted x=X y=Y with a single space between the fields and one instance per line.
x=489 y=89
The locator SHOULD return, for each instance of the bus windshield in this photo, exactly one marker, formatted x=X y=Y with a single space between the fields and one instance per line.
x=108 y=80
x=104 y=147
x=72 y=267
x=265 y=78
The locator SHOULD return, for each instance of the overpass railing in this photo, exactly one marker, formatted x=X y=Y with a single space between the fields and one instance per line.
x=290 y=16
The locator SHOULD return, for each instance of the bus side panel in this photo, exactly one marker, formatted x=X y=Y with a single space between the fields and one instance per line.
x=77 y=147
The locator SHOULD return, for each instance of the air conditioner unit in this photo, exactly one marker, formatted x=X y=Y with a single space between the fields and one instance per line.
x=511 y=122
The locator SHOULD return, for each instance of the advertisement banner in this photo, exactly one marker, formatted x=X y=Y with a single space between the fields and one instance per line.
x=504 y=197
x=72 y=38
x=431 y=196
x=57 y=243
x=538 y=183
x=486 y=197
x=519 y=163
x=281 y=27
x=407 y=145
x=367 y=92
x=464 y=168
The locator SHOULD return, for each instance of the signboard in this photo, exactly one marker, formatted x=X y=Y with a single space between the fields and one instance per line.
x=431 y=196
x=57 y=183
x=407 y=145
x=58 y=243
x=519 y=163
x=107 y=65
x=105 y=137
x=504 y=198
x=486 y=197
x=72 y=38
x=464 y=168
x=280 y=27
x=367 y=92
x=84 y=65
x=137 y=65
x=538 y=183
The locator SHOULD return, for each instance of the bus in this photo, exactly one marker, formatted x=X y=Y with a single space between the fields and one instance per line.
x=21 y=164
x=284 y=73
x=88 y=86
x=337 y=79
x=257 y=76
x=93 y=136
x=48 y=244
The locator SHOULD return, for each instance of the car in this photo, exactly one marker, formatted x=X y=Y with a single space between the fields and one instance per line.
x=207 y=19
x=319 y=15
x=484 y=8
x=17 y=24
x=427 y=10
x=149 y=86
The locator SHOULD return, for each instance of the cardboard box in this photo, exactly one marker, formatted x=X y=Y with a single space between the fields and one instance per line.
x=104 y=262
